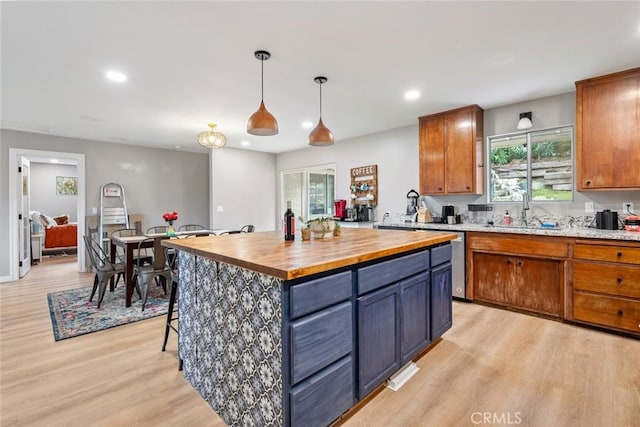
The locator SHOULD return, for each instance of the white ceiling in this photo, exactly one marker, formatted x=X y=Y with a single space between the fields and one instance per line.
x=190 y=63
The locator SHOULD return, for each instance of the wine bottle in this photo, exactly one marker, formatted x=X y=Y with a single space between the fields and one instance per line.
x=289 y=224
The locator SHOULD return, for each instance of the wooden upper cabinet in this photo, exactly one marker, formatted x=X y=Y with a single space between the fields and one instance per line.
x=451 y=152
x=608 y=132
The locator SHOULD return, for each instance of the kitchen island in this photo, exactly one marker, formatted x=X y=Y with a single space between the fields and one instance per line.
x=296 y=333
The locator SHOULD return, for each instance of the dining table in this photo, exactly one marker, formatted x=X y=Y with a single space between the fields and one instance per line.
x=130 y=244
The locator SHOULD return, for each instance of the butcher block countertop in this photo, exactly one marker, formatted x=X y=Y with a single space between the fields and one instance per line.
x=268 y=252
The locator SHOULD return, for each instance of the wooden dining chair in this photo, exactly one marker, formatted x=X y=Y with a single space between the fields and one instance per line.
x=247 y=229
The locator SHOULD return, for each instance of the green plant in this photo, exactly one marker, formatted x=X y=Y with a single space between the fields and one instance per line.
x=322 y=225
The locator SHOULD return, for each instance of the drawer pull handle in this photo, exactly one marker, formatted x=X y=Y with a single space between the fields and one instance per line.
x=520 y=263
x=588 y=182
x=619 y=280
x=620 y=313
x=509 y=262
x=619 y=254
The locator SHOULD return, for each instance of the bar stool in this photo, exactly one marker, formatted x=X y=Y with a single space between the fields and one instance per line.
x=172 y=262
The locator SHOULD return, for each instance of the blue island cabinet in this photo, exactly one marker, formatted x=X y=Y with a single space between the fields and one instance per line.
x=302 y=352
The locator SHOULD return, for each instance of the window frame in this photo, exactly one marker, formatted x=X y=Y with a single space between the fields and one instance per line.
x=528 y=135
x=305 y=202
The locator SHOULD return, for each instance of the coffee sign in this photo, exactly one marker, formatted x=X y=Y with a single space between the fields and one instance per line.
x=364 y=185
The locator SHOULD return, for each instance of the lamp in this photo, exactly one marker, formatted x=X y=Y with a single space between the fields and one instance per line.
x=320 y=136
x=525 y=121
x=262 y=122
x=212 y=139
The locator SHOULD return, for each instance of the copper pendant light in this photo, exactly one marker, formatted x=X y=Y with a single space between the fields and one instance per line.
x=262 y=122
x=320 y=136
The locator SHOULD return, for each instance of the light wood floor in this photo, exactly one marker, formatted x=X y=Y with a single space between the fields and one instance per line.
x=493 y=367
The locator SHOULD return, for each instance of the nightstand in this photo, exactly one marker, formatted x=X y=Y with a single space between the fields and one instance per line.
x=36 y=247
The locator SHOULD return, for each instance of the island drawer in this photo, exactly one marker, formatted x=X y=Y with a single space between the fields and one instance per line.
x=614 y=279
x=320 y=339
x=387 y=272
x=440 y=254
x=620 y=313
x=621 y=254
x=320 y=293
x=324 y=397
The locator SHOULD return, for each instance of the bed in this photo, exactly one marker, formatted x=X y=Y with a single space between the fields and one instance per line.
x=60 y=235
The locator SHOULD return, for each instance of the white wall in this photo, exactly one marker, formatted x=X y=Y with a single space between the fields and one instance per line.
x=43 y=195
x=244 y=186
x=394 y=151
x=155 y=180
x=396 y=154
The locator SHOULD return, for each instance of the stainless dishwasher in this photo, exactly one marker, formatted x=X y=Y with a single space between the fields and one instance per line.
x=458 y=264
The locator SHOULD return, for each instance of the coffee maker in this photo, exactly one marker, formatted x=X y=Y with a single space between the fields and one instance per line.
x=340 y=209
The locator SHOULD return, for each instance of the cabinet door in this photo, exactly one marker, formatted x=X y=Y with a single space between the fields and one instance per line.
x=378 y=331
x=441 y=296
x=432 y=164
x=460 y=152
x=414 y=322
x=492 y=275
x=608 y=131
x=537 y=285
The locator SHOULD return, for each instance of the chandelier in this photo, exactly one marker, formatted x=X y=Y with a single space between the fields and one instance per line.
x=212 y=139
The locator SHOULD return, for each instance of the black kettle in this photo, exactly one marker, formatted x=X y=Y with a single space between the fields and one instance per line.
x=607 y=220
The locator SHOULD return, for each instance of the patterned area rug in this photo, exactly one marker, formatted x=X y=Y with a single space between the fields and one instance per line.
x=72 y=314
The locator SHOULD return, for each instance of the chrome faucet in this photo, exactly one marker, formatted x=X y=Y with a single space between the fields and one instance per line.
x=525 y=207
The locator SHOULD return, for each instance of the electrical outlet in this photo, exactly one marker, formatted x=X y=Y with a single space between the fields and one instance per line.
x=627 y=207
x=589 y=207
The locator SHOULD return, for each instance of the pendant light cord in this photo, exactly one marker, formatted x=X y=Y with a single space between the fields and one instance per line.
x=262 y=80
x=320 y=101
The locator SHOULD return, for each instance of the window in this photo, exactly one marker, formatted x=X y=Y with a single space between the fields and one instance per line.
x=539 y=163
x=310 y=190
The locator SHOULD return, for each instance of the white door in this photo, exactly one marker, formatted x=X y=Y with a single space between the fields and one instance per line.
x=23 y=216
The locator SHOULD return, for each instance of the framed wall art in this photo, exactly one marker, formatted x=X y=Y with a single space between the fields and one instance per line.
x=66 y=186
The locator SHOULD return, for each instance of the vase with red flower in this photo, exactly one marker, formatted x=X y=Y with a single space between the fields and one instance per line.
x=169 y=217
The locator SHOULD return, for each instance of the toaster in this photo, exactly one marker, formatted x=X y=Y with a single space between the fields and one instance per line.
x=632 y=223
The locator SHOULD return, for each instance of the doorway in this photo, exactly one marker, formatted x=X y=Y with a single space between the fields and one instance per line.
x=15 y=154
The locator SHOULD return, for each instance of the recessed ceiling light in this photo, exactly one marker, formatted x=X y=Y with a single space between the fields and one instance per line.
x=116 y=76
x=307 y=124
x=54 y=161
x=178 y=147
x=411 y=95
x=245 y=143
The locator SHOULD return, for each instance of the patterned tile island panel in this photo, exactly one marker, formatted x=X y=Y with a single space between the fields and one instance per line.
x=231 y=339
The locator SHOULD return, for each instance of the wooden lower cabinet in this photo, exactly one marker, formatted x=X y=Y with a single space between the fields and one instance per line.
x=520 y=282
x=524 y=273
x=606 y=285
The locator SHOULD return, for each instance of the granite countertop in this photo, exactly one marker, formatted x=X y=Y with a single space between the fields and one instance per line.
x=268 y=253
x=587 y=233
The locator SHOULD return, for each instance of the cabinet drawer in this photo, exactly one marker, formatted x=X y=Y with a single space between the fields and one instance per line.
x=548 y=247
x=620 y=313
x=320 y=339
x=320 y=293
x=607 y=253
x=440 y=255
x=324 y=397
x=387 y=272
x=607 y=278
